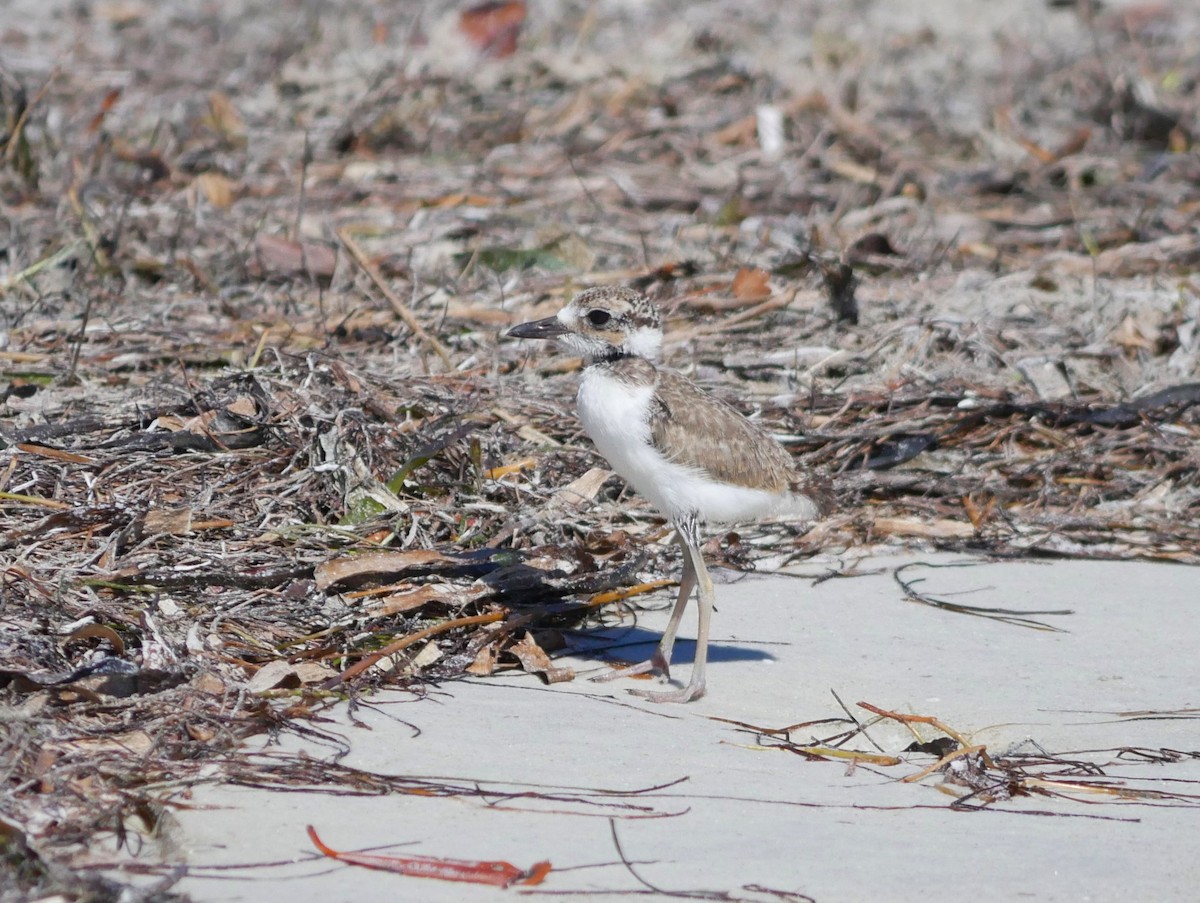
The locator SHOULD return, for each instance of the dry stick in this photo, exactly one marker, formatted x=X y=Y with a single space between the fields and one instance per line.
x=612 y=828
x=398 y=306
x=305 y=160
x=22 y=498
x=404 y=642
x=90 y=233
x=14 y=138
x=775 y=302
x=619 y=595
x=258 y=350
x=930 y=720
x=10 y=282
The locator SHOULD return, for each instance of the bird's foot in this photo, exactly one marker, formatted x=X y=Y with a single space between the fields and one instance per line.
x=655 y=664
x=694 y=690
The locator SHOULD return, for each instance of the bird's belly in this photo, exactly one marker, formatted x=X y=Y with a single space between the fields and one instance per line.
x=616 y=416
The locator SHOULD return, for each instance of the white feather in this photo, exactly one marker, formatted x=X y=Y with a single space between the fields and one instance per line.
x=616 y=416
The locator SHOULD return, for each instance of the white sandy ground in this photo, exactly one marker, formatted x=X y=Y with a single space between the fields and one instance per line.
x=745 y=816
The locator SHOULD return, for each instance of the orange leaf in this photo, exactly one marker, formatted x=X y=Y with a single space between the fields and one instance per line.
x=750 y=284
x=496 y=874
x=110 y=100
x=504 y=470
x=217 y=189
x=43 y=451
x=223 y=116
x=493 y=27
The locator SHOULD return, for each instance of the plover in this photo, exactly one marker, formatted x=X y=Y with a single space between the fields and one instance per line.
x=694 y=457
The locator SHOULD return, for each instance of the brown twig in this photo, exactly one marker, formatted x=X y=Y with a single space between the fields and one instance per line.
x=404 y=642
x=401 y=309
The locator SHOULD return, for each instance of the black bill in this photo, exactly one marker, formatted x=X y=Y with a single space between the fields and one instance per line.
x=549 y=328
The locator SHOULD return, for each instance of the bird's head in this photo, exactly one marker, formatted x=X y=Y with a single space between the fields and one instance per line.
x=601 y=324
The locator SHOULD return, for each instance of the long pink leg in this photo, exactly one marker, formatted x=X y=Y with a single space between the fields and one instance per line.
x=695 y=686
x=660 y=662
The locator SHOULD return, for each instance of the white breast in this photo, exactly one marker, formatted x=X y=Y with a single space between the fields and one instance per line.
x=616 y=416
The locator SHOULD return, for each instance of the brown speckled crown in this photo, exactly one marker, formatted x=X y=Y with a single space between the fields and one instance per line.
x=630 y=308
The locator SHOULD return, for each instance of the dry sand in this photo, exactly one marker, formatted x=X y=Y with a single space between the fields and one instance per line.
x=1122 y=674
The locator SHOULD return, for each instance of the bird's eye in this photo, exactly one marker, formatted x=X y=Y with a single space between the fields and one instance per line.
x=598 y=317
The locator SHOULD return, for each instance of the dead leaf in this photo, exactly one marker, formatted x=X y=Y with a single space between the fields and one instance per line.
x=459 y=199
x=199 y=732
x=535 y=661
x=582 y=490
x=527 y=431
x=739 y=132
x=750 y=284
x=382 y=564
x=209 y=684
x=1076 y=142
x=311 y=673
x=853 y=172
x=486 y=314
x=171 y=521
x=42 y=766
x=485 y=661
x=492 y=28
x=121 y=13
x=504 y=470
x=243 y=406
x=216 y=188
x=135 y=742
x=282 y=257
x=1130 y=336
x=109 y=101
x=274 y=675
x=976 y=512
x=430 y=654
x=99 y=631
x=56 y=454
x=447 y=594
x=495 y=874
x=224 y=118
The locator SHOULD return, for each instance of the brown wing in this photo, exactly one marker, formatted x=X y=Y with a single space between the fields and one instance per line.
x=691 y=427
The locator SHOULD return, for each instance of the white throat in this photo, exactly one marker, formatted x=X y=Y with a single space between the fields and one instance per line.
x=645 y=342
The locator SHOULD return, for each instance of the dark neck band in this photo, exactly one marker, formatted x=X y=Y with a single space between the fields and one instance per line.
x=612 y=355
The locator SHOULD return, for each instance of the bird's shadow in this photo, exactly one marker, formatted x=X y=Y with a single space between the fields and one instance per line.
x=521 y=583
x=635 y=644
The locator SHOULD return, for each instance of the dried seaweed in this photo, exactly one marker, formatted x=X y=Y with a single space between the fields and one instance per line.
x=978 y=778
